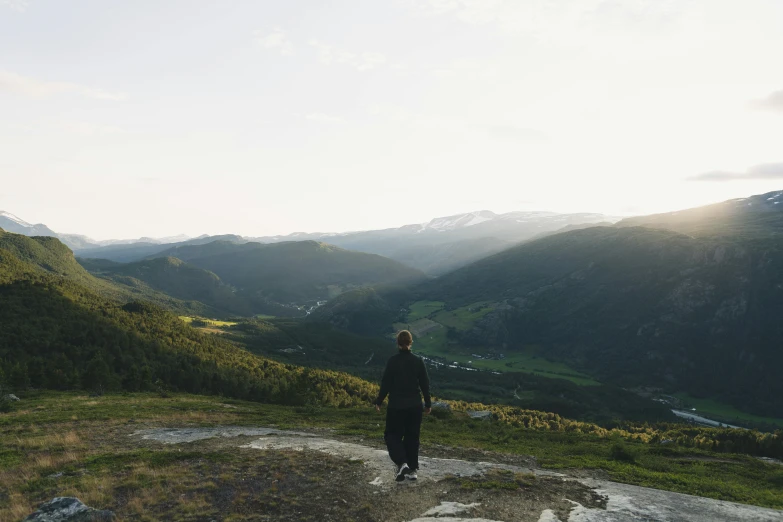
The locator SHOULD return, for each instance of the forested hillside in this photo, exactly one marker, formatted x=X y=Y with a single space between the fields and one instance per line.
x=631 y=306
x=178 y=279
x=293 y=272
x=756 y=217
x=638 y=306
x=59 y=334
x=141 y=249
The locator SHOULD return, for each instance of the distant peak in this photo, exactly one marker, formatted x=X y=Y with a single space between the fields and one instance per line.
x=460 y=220
x=15 y=219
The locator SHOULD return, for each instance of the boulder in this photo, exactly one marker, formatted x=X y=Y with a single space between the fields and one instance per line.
x=11 y=397
x=68 y=509
x=483 y=415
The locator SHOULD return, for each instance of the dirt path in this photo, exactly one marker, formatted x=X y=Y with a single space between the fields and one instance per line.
x=455 y=490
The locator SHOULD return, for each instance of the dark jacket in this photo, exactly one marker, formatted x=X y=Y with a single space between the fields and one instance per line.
x=404 y=376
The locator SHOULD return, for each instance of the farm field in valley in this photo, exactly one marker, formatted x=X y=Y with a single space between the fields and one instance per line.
x=431 y=340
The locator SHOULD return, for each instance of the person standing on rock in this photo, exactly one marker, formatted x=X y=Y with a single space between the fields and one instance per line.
x=404 y=376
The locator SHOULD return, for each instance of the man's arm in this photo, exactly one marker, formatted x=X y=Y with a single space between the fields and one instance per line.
x=424 y=385
x=385 y=384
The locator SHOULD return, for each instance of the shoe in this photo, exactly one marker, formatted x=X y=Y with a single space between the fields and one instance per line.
x=412 y=475
x=404 y=470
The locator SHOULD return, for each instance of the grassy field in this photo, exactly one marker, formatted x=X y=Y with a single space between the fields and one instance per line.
x=433 y=342
x=210 y=322
x=89 y=440
x=422 y=309
x=525 y=361
x=724 y=412
x=462 y=318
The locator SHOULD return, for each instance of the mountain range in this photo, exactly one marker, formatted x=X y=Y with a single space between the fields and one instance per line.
x=681 y=302
x=11 y=223
x=282 y=279
x=755 y=217
x=436 y=247
x=446 y=243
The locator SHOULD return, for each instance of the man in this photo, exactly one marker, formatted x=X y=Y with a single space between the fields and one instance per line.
x=404 y=376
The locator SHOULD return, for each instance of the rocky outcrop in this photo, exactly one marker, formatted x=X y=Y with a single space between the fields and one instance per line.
x=618 y=502
x=68 y=509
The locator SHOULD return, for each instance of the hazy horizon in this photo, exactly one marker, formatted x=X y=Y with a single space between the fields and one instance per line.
x=200 y=117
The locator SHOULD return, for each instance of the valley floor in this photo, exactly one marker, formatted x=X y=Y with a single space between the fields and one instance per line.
x=206 y=458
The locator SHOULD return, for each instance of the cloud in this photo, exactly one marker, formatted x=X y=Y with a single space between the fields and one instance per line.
x=15 y=5
x=773 y=102
x=323 y=118
x=763 y=171
x=329 y=54
x=27 y=86
x=276 y=40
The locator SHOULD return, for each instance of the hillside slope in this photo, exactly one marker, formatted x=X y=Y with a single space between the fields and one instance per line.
x=128 y=252
x=58 y=334
x=759 y=216
x=294 y=272
x=16 y=225
x=638 y=306
x=446 y=243
x=49 y=256
x=176 y=278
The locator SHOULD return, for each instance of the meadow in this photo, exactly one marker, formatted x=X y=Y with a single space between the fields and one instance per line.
x=429 y=322
x=208 y=322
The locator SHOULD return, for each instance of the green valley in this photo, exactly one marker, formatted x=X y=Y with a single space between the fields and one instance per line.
x=430 y=322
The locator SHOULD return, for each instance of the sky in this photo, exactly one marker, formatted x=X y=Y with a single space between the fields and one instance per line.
x=161 y=117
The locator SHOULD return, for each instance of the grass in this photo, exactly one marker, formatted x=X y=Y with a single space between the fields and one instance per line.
x=464 y=318
x=210 y=322
x=498 y=479
x=431 y=340
x=528 y=360
x=67 y=445
x=420 y=328
x=88 y=440
x=422 y=309
x=724 y=412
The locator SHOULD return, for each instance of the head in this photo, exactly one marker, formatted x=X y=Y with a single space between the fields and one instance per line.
x=404 y=340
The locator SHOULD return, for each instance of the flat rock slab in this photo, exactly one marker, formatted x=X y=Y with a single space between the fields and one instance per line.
x=378 y=460
x=182 y=435
x=625 y=503
x=450 y=519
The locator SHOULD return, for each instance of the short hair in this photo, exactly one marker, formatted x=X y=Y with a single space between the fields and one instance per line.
x=404 y=339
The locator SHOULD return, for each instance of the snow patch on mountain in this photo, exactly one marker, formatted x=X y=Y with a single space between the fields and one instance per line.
x=460 y=221
x=15 y=219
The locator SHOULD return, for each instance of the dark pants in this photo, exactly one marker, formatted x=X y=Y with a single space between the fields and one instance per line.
x=403 y=427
